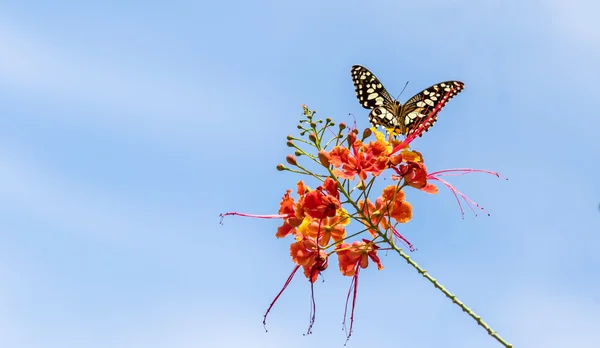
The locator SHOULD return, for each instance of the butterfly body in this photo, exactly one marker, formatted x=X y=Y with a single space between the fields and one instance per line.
x=419 y=113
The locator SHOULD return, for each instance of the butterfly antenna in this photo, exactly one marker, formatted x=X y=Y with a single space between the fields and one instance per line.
x=406 y=84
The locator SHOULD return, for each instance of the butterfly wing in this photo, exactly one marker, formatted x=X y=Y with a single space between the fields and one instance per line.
x=372 y=95
x=369 y=90
x=421 y=110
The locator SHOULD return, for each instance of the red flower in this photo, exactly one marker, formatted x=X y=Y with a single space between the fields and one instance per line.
x=322 y=202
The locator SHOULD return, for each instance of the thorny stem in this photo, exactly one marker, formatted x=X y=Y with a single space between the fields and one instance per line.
x=427 y=276
x=452 y=297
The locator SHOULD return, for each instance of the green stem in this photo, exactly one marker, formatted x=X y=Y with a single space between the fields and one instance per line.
x=432 y=280
x=452 y=297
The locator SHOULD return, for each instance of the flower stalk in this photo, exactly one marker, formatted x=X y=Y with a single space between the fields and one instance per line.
x=349 y=175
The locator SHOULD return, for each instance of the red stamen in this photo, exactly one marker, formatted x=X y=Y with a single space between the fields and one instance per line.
x=463 y=171
x=353 y=289
x=313 y=309
x=404 y=240
x=404 y=143
x=459 y=172
x=287 y=282
x=455 y=192
x=354 y=123
x=272 y=216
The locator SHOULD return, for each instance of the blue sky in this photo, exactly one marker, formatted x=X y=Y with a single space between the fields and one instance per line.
x=127 y=127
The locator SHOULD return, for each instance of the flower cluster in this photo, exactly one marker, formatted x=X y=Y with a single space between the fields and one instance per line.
x=346 y=169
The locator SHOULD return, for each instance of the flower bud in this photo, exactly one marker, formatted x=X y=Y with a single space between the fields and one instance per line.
x=291 y=159
x=367 y=133
x=342 y=126
x=281 y=167
x=351 y=138
x=324 y=158
x=312 y=137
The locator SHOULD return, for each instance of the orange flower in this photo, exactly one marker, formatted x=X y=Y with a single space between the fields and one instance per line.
x=357 y=254
x=373 y=212
x=414 y=174
x=293 y=212
x=327 y=228
x=306 y=253
x=364 y=159
x=390 y=204
x=340 y=156
x=405 y=156
x=399 y=209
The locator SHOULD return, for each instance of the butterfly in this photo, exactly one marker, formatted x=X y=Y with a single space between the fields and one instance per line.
x=418 y=114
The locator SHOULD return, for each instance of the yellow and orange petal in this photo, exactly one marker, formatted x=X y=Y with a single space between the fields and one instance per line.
x=391 y=192
x=430 y=188
x=377 y=148
x=412 y=156
x=401 y=211
x=357 y=254
x=396 y=207
x=405 y=156
x=326 y=229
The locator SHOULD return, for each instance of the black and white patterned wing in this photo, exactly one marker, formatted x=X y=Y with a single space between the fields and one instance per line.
x=421 y=110
x=372 y=95
x=369 y=90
